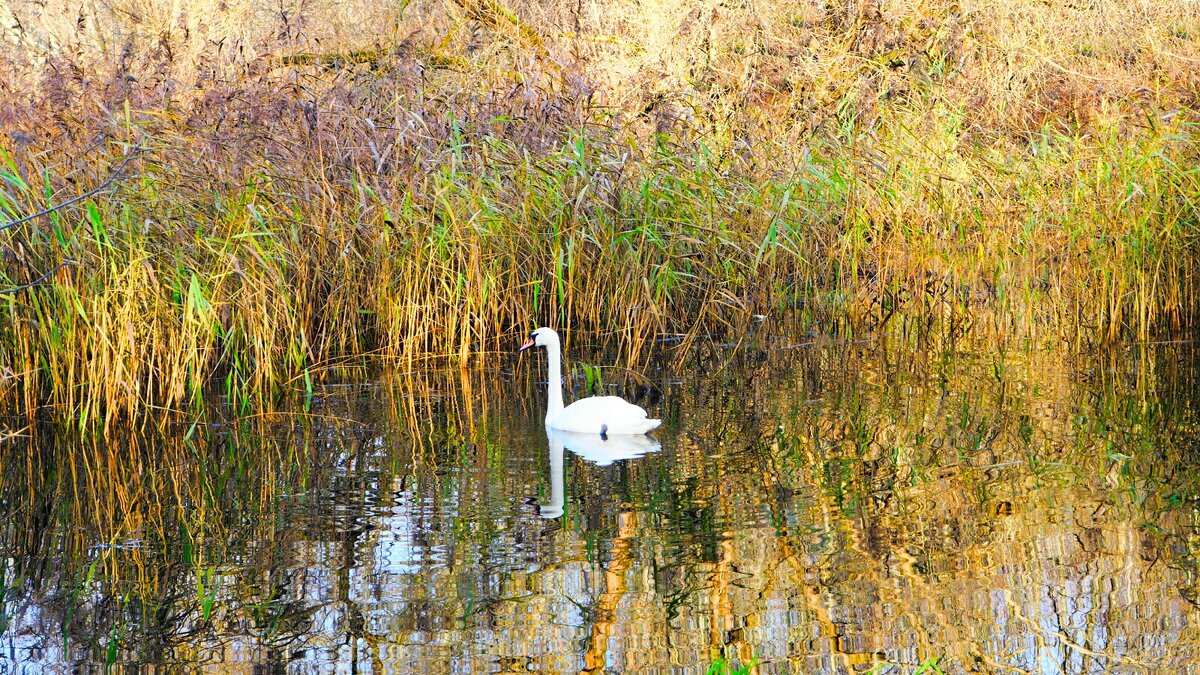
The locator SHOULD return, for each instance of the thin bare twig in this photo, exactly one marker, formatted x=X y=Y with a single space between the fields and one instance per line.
x=116 y=172
x=35 y=282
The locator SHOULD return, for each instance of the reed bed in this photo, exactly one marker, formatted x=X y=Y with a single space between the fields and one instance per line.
x=291 y=199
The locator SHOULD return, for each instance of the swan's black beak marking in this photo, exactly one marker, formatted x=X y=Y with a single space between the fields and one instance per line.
x=528 y=343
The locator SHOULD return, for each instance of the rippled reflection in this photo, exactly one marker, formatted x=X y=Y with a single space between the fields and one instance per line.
x=599 y=451
x=827 y=510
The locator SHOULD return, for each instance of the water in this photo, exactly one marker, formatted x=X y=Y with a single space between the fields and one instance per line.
x=829 y=509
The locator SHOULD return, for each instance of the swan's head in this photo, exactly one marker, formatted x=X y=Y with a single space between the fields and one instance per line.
x=542 y=337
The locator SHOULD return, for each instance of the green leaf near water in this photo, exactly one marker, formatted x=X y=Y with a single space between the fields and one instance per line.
x=723 y=667
x=930 y=665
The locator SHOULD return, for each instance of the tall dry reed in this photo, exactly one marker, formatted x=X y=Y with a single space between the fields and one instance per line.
x=319 y=183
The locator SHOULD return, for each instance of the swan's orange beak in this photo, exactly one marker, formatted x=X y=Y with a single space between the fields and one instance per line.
x=527 y=345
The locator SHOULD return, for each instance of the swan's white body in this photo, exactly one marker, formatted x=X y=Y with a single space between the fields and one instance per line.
x=602 y=416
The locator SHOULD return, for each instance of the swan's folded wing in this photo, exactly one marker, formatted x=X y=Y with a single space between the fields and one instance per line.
x=613 y=414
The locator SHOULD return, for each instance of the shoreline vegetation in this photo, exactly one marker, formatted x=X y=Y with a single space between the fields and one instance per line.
x=318 y=183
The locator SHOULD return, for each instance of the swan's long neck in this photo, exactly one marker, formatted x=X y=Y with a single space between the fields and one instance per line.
x=554 y=381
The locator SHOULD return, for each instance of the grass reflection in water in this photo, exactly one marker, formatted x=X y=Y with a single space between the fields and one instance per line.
x=830 y=509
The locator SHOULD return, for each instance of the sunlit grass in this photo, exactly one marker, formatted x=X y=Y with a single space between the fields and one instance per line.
x=867 y=174
x=257 y=288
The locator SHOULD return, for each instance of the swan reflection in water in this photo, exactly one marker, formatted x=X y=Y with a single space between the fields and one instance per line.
x=592 y=448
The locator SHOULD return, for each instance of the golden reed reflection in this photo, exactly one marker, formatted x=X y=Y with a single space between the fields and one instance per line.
x=614 y=590
x=831 y=511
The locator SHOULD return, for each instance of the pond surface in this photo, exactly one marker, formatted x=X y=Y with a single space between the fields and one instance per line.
x=829 y=508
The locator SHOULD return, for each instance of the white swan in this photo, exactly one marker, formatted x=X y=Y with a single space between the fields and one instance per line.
x=600 y=415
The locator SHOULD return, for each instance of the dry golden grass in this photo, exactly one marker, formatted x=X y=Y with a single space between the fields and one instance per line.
x=785 y=66
x=323 y=181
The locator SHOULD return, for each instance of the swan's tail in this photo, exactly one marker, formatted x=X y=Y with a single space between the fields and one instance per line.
x=649 y=425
